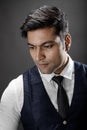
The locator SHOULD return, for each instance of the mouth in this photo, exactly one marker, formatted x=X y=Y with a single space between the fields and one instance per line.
x=43 y=65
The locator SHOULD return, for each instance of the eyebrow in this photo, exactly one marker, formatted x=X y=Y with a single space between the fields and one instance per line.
x=42 y=44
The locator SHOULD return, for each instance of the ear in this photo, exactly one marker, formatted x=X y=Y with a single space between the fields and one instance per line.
x=67 y=42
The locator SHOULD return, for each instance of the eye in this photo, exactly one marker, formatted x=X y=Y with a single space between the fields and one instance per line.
x=31 y=46
x=48 y=46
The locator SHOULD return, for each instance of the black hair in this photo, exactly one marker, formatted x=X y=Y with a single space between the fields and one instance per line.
x=45 y=16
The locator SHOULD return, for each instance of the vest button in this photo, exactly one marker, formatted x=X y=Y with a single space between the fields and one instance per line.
x=64 y=122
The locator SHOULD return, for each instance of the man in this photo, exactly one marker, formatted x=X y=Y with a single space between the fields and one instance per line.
x=33 y=97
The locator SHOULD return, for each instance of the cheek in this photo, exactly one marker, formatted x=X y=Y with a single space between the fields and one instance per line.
x=57 y=56
x=53 y=56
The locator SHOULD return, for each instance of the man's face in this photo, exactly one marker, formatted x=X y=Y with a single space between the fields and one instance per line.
x=47 y=50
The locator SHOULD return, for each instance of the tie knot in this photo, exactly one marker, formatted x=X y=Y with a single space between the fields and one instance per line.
x=58 y=79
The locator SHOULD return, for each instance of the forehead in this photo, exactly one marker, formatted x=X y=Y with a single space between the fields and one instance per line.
x=41 y=35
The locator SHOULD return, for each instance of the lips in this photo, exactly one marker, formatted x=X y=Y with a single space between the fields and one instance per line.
x=43 y=65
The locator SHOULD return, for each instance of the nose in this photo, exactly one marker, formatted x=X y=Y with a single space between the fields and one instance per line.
x=39 y=54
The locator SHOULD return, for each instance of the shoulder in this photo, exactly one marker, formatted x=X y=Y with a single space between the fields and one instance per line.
x=32 y=73
x=11 y=104
x=81 y=67
x=13 y=94
x=15 y=84
x=34 y=70
x=79 y=64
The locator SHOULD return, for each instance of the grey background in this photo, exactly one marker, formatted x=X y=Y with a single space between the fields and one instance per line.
x=14 y=55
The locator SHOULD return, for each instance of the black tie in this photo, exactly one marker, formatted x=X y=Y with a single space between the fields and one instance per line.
x=62 y=99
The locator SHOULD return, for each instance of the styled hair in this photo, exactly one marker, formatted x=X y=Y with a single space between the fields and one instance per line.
x=45 y=16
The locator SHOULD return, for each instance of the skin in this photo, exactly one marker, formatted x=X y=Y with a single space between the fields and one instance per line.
x=47 y=50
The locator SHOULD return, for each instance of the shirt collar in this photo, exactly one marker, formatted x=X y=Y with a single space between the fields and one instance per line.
x=66 y=73
x=68 y=70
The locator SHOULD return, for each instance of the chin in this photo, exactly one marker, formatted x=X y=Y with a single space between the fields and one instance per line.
x=46 y=71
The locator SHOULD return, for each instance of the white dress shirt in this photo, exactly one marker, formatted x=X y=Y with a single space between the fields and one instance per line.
x=13 y=96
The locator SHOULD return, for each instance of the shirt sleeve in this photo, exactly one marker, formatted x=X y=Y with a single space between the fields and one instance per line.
x=11 y=104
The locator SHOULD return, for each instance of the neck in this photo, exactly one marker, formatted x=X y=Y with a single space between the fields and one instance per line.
x=59 y=70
